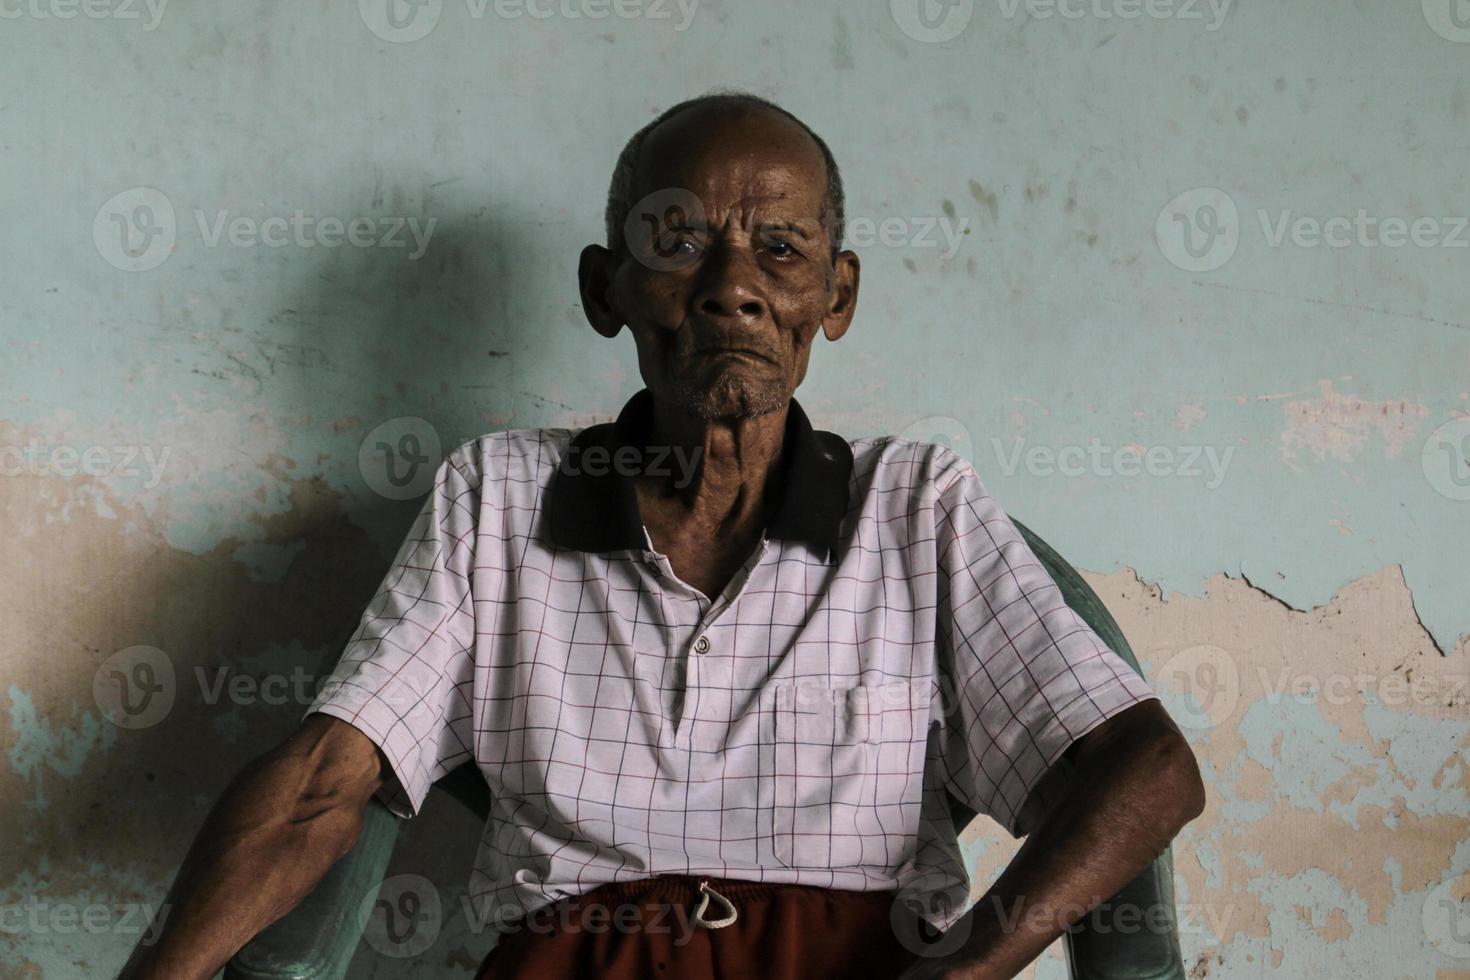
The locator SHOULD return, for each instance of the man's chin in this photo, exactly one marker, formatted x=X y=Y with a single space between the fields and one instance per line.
x=731 y=399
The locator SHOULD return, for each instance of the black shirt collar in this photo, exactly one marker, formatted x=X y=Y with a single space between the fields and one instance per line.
x=591 y=505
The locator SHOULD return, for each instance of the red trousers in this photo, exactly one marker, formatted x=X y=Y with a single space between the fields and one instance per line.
x=649 y=928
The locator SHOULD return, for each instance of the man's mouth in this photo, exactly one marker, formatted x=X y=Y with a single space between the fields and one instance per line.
x=734 y=352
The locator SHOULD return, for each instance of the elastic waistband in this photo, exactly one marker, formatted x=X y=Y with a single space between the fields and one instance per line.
x=685 y=888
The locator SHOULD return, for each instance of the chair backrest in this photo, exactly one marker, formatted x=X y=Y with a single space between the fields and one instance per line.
x=1135 y=935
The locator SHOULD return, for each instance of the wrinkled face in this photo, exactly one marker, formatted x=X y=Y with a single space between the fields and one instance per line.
x=727 y=269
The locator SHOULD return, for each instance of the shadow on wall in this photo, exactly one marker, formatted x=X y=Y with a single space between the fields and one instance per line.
x=205 y=661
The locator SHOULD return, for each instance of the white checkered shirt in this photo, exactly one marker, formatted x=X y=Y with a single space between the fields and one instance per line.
x=891 y=640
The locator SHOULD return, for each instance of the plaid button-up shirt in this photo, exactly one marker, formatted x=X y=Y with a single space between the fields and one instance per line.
x=890 y=641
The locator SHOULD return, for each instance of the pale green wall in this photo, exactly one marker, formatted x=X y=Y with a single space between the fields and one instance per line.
x=1063 y=315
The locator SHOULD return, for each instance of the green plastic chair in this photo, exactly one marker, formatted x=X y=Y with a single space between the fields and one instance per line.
x=317 y=939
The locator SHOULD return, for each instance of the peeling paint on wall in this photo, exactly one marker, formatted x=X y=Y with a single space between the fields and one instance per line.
x=1335 y=748
x=1337 y=426
x=183 y=447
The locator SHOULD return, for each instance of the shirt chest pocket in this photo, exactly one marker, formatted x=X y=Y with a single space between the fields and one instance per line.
x=847 y=772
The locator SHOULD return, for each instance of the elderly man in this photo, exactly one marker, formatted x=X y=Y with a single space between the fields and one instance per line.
x=721 y=671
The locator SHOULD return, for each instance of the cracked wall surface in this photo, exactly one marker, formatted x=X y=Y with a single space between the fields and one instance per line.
x=1261 y=457
x=1334 y=746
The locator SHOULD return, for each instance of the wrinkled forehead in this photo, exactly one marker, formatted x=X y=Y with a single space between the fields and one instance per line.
x=743 y=165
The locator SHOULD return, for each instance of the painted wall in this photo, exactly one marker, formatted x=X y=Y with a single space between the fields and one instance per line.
x=1186 y=281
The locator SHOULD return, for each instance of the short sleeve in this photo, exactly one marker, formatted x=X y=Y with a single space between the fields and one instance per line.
x=1024 y=676
x=405 y=678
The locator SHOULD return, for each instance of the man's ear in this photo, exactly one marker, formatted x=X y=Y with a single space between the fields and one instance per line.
x=595 y=281
x=843 y=303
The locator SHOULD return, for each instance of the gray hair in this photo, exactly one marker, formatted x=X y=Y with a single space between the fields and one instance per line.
x=624 y=178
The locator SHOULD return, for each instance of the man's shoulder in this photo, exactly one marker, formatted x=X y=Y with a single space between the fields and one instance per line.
x=529 y=441
x=895 y=462
x=509 y=454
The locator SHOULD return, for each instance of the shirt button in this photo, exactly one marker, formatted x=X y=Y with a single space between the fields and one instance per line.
x=701 y=645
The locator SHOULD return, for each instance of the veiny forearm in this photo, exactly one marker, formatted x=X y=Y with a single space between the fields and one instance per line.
x=1136 y=788
x=277 y=830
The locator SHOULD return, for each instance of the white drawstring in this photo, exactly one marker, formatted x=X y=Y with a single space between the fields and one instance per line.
x=707 y=892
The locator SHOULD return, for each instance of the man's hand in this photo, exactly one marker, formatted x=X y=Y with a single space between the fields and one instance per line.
x=1136 y=785
x=277 y=830
x=938 y=968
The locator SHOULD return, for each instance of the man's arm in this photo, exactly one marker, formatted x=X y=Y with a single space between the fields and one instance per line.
x=281 y=825
x=1137 y=784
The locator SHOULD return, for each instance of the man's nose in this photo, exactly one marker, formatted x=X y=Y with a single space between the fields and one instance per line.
x=727 y=285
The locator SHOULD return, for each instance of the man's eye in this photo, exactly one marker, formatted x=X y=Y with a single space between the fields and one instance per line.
x=780 y=249
x=672 y=243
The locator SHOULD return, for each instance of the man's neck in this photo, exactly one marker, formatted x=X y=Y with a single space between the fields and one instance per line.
x=738 y=464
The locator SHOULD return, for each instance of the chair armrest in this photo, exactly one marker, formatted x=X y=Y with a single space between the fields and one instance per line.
x=1143 y=917
x=1135 y=934
x=316 y=939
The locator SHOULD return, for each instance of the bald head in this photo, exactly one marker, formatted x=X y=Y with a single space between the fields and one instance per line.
x=713 y=123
